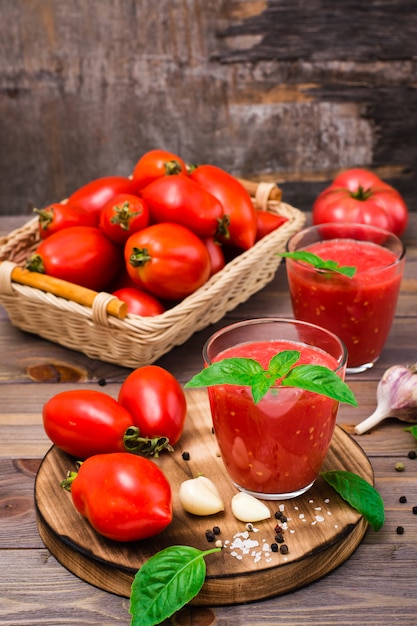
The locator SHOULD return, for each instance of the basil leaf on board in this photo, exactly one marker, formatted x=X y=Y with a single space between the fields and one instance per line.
x=249 y=373
x=319 y=263
x=359 y=494
x=166 y=582
x=412 y=430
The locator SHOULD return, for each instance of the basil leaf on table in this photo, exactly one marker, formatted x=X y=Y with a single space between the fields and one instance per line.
x=359 y=494
x=166 y=582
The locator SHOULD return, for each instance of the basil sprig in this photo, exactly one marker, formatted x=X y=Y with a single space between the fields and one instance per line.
x=282 y=372
x=359 y=494
x=166 y=582
x=319 y=263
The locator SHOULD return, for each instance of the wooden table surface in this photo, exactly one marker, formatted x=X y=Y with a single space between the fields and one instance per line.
x=377 y=585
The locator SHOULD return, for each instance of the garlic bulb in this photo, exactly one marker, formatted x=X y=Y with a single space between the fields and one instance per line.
x=246 y=508
x=200 y=496
x=396 y=397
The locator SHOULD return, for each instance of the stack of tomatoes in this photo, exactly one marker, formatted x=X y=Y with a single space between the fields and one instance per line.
x=124 y=494
x=151 y=239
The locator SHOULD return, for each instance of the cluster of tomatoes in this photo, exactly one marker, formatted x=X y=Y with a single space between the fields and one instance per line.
x=153 y=238
x=124 y=494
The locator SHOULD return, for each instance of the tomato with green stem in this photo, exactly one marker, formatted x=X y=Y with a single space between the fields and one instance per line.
x=156 y=164
x=92 y=196
x=122 y=216
x=59 y=215
x=124 y=497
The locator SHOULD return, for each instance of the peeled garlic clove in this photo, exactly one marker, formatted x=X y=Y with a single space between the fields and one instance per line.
x=246 y=508
x=200 y=496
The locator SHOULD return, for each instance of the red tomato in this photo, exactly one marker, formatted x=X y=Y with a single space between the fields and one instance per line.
x=79 y=254
x=168 y=260
x=215 y=250
x=58 y=216
x=157 y=163
x=180 y=200
x=123 y=215
x=139 y=302
x=123 y=496
x=94 y=195
x=267 y=222
x=236 y=202
x=359 y=196
x=156 y=401
x=84 y=422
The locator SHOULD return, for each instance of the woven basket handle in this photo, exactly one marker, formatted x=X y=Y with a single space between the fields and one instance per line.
x=62 y=288
x=262 y=192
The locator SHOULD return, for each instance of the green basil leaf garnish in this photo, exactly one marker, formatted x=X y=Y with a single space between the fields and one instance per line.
x=166 y=582
x=281 y=372
x=359 y=494
x=319 y=263
x=412 y=430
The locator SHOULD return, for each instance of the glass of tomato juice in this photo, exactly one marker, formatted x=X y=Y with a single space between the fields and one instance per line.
x=274 y=449
x=360 y=310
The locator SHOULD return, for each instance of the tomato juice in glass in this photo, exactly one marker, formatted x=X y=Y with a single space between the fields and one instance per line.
x=273 y=449
x=360 y=310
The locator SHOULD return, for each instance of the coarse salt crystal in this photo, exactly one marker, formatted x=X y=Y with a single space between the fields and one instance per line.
x=319 y=518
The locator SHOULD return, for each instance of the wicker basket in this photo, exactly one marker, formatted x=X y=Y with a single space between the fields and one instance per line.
x=134 y=341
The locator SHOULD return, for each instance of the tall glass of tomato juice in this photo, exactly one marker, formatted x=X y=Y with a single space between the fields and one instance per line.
x=273 y=449
x=360 y=310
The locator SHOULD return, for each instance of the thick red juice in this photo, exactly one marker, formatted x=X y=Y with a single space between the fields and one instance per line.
x=278 y=445
x=360 y=310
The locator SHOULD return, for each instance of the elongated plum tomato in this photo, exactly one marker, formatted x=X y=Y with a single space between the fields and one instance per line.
x=156 y=401
x=359 y=196
x=123 y=496
x=168 y=260
x=92 y=196
x=267 y=222
x=215 y=250
x=139 y=302
x=236 y=202
x=180 y=200
x=155 y=164
x=79 y=254
x=84 y=422
x=58 y=216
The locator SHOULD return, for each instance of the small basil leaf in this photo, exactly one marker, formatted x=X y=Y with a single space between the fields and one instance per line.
x=319 y=379
x=165 y=583
x=281 y=363
x=359 y=494
x=234 y=371
x=412 y=430
x=261 y=384
x=319 y=263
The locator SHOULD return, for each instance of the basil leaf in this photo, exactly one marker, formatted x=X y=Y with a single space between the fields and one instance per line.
x=412 y=430
x=233 y=371
x=319 y=379
x=319 y=263
x=281 y=363
x=359 y=494
x=261 y=384
x=165 y=583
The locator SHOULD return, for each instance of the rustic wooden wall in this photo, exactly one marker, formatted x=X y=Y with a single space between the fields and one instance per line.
x=286 y=90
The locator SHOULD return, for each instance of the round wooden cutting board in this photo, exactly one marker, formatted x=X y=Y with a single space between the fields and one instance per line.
x=321 y=532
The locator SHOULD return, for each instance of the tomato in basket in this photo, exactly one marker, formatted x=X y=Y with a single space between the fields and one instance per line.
x=168 y=260
x=236 y=201
x=79 y=254
x=122 y=216
x=139 y=302
x=267 y=222
x=155 y=164
x=92 y=196
x=179 y=199
x=215 y=250
x=57 y=216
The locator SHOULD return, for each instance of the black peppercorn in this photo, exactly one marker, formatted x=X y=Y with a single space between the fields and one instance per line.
x=412 y=454
x=400 y=530
x=283 y=549
x=210 y=536
x=186 y=456
x=403 y=499
x=414 y=509
x=102 y=382
x=216 y=530
x=274 y=547
x=279 y=538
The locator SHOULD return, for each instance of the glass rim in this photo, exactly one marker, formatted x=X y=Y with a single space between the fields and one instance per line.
x=365 y=227
x=285 y=320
